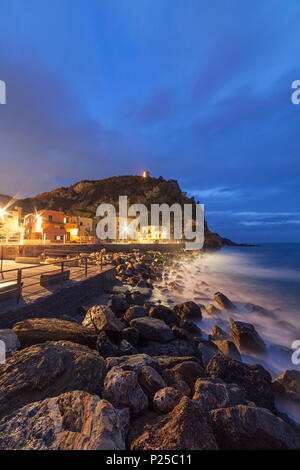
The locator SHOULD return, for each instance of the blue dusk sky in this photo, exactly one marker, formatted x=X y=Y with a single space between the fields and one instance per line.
x=193 y=90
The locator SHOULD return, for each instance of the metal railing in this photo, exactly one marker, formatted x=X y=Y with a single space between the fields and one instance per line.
x=26 y=282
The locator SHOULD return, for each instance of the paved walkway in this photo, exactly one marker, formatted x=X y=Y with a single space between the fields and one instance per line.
x=32 y=290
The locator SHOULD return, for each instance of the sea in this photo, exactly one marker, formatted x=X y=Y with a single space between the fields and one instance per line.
x=266 y=276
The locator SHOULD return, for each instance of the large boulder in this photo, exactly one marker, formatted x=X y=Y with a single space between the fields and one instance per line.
x=246 y=337
x=213 y=311
x=215 y=393
x=287 y=385
x=40 y=330
x=10 y=339
x=150 y=381
x=249 y=428
x=188 y=311
x=166 y=399
x=228 y=348
x=253 y=379
x=152 y=329
x=131 y=335
x=118 y=304
x=190 y=371
x=223 y=302
x=207 y=349
x=164 y=313
x=72 y=421
x=185 y=427
x=47 y=370
x=135 y=311
x=101 y=318
x=122 y=389
x=134 y=362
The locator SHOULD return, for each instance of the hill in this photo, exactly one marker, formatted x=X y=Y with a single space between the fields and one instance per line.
x=82 y=198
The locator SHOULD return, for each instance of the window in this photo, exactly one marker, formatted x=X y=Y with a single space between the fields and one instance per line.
x=50 y=218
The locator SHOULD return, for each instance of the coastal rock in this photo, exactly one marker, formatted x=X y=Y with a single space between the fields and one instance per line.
x=218 y=333
x=175 y=379
x=131 y=335
x=134 y=362
x=207 y=349
x=118 y=304
x=135 y=311
x=249 y=428
x=106 y=347
x=287 y=385
x=191 y=328
x=166 y=399
x=188 y=311
x=246 y=337
x=253 y=379
x=122 y=389
x=40 y=330
x=10 y=340
x=223 y=302
x=165 y=314
x=176 y=347
x=167 y=362
x=228 y=348
x=152 y=329
x=213 y=311
x=102 y=318
x=126 y=349
x=215 y=393
x=189 y=371
x=47 y=370
x=185 y=427
x=150 y=381
x=137 y=298
x=181 y=333
x=71 y=421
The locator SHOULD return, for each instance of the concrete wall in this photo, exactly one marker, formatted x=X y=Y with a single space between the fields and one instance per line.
x=64 y=302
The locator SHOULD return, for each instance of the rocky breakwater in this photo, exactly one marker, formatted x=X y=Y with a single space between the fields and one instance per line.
x=139 y=375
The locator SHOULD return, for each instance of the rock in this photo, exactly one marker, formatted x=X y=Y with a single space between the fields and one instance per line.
x=174 y=379
x=223 y=302
x=47 y=370
x=126 y=349
x=72 y=421
x=118 y=304
x=10 y=339
x=189 y=371
x=246 y=337
x=167 y=362
x=164 y=313
x=176 y=347
x=181 y=333
x=258 y=309
x=191 y=328
x=136 y=298
x=287 y=385
x=213 y=311
x=188 y=311
x=215 y=393
x=102 y=318
x=122 y=389
x=218 y=333
x=106 y=347
x=249 y=428
x=185 y=427
x=152 y=329
x=253 y=379
x=124 y=415
x=228 y=348
x=150 y=381
x=207 y=349
x=131 y=335
x=40 y=330
x=135 y=362
x=135 y=311
x=166 y=399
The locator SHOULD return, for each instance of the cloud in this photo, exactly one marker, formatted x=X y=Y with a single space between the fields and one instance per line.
x=159 y=107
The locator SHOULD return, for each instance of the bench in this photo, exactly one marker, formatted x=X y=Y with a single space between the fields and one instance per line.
x=54 y=277
x=8 y=289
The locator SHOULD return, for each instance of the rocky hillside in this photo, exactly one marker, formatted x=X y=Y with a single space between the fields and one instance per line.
x=82 y=198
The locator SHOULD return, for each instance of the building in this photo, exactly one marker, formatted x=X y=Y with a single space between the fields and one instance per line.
x=11 y=229
x=146 y=174
x=45 y=225
x=79 y=229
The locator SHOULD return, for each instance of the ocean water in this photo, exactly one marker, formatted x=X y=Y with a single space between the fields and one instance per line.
x=267 y=276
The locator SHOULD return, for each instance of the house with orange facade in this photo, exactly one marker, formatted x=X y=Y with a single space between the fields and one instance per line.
x=45 y=225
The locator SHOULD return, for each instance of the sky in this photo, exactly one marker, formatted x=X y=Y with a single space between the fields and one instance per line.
x=193 y=90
